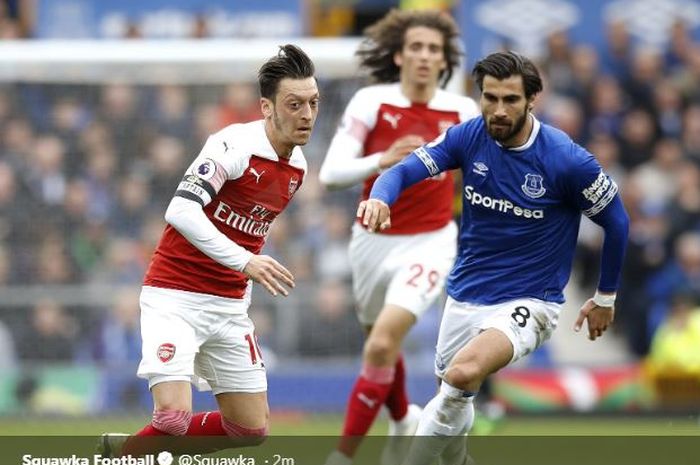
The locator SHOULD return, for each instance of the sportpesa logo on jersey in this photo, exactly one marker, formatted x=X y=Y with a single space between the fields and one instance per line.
x=500 y=205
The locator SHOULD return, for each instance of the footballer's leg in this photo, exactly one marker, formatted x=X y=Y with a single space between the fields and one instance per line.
x=417 y=284
x=397 y=401
x=169 y=346
x=383 y=349
x=412 y=284
x=233 y=365
x=415 y=288
x=490 y=412
x=245 y=416
x=372 y=387
x=369 y=256
x=449 y=414
x=172 y=413
x=495 y=336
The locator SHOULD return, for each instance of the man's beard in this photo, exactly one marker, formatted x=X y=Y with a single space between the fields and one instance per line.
x=515 y=128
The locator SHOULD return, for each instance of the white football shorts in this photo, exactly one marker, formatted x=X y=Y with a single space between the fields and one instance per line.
x=527 y=323
x=404 y=270
x=184 y=339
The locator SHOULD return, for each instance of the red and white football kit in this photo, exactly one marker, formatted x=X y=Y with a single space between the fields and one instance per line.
x=405 y=265
x=195 y=297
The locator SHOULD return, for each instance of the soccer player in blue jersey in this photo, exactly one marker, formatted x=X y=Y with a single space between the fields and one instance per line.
x=525 y=185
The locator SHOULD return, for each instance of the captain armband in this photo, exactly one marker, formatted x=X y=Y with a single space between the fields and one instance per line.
x=195 y=188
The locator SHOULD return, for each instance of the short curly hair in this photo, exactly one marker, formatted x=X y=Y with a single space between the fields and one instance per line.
x=386 y=37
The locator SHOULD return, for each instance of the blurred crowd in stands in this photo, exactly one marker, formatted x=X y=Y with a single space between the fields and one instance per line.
x=16 y=18
x=86 y=172
x=638 y=110
x=321 y=18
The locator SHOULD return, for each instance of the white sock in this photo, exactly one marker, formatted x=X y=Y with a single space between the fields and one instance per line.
x=455 y=453
x=445 y=417
x=338 y=458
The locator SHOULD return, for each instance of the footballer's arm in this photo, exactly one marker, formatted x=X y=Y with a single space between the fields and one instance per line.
x=374 y=212
x=599 y=311
x=344 y=164
x=185 y=213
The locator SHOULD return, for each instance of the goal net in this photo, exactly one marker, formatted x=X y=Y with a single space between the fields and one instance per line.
x=95 y=137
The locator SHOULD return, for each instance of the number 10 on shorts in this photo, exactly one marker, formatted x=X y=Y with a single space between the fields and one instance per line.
x=254 y=348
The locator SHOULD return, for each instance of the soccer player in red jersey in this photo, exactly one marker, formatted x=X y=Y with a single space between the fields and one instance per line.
x=398 y=274
x=196 y=293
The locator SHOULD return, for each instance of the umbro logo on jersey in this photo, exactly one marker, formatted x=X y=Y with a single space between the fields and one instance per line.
x=393 y=120
x=480 y=168
x=257 y=175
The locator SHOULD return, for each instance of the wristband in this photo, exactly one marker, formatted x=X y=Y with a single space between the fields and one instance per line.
x=604 y=300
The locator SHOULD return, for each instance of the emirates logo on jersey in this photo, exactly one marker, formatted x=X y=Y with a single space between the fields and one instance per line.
x=293 y=185
x=166 y=352
x=242 y=222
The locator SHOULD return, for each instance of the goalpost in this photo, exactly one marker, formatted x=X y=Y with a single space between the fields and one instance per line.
x=170 y=61
x=163 y=61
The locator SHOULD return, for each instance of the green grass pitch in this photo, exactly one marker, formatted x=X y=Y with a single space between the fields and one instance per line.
x=330 y=425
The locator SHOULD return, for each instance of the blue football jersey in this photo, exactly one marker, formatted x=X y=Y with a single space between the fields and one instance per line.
x=521 y=210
